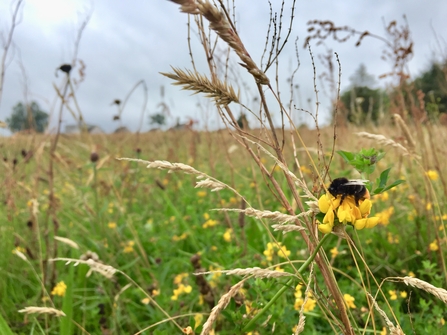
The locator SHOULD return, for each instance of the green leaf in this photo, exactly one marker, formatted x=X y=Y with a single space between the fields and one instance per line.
x=346 y=155
x=4 y=328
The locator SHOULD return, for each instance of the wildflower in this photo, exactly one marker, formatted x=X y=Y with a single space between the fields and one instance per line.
x=392 y=239
x=112 y=225
x=349 y=300
x=346 y=212
x=145 y=301
x=432 y=175
x=227 y=235
x=210 y=223
x=334 y=252
x=181 y=289
x=403 y=294
x=201 y=194
x=384 y=216
x=383 y=332
x=269 y=252
x=188 y=331
x=283 y=252
x=179 y=278
x=393 y=294
x=382 y=196
x=434 y=246
x=411 y=274
x=213 y=248
x=59 y=289
x=128 y=247
x=305 y=169
x=299 y=300
x=176 y=238
x=198 y=318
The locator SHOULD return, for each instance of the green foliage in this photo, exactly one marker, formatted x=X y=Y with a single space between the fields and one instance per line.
x=27 y=117
x=365 y=162
x=433 y=83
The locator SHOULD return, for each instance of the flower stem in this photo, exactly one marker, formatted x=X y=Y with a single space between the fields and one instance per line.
x=303 y=267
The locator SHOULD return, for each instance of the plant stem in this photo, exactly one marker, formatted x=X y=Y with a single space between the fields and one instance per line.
x=303 y=267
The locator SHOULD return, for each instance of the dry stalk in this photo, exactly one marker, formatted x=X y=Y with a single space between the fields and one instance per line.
x=219 y=91
x=255 y=272
x=438 y=292
x=384 y=141
x=67 y=241
x=405 y=131
x=224 y=29
x=41 y=310
x=105 y=270
x=307 y=293
x=393 y=329
x=221 y=305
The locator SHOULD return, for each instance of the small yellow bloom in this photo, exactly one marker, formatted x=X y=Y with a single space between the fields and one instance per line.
x=155 y=292
x=59 y=289
x=210 y=223
x=403 y=294
x=383 y=332
x=198 y=318
x=176 y=238
x=201 y=194
x=432 y=175
x=213 y=248
x=179 y=278
x=411 y=274
x=349 y=300
x=366 y=223
x=334 y=252
x=112 y=225
x=145 y=301
x=227 y=235
x=283 y=252
x=188 y=331
x=434 y=246
x=128 y=247
x=393 y=294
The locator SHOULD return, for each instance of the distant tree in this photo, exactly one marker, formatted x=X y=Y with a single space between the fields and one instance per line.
x=433 y=83
x=27 y=117
x=158 y=119
x=361 y=102
x=361 y=78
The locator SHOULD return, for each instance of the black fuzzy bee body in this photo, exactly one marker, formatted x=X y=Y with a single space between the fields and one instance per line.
x=345 y=187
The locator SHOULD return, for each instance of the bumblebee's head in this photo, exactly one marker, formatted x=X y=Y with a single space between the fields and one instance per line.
x=335 y=185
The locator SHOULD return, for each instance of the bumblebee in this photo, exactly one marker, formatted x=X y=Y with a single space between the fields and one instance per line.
x=345 y=187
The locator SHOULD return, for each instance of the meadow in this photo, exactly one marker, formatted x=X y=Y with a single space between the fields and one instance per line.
x=231 y=231
x=156 y=229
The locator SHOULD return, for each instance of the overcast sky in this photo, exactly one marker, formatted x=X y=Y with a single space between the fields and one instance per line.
x=129 y=41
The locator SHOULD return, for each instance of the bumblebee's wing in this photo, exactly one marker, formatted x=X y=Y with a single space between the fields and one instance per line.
x=357 y=182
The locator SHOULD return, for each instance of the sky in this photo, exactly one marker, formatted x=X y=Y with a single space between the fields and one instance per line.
x=127 y=42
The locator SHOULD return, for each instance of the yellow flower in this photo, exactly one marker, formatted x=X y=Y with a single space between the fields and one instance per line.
x=283 y=252
x=382 y=196
x=180 y=290
x=179 y=278
x=128 y=247
x=349 y=300
x=269 y=252
x=432 y=175
x=305 y=169
x=210 y=223
x=176 y=238
x=403 y=294
x=434 y=246
x=227 y=235
x=59 y=289
x=188 y=331
x=383 y=332
x=198 y=318
x=334 y=252
x=366 y=223
x=346 y=212
x=155 y=292
x=112 y=225
x=384 y=216
x=145 y=301
x=411 y=274
x=393 y=294
x=201 y=194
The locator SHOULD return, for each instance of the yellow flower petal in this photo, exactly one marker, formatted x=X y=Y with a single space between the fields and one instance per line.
x=325 y=228
x=365 y=207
